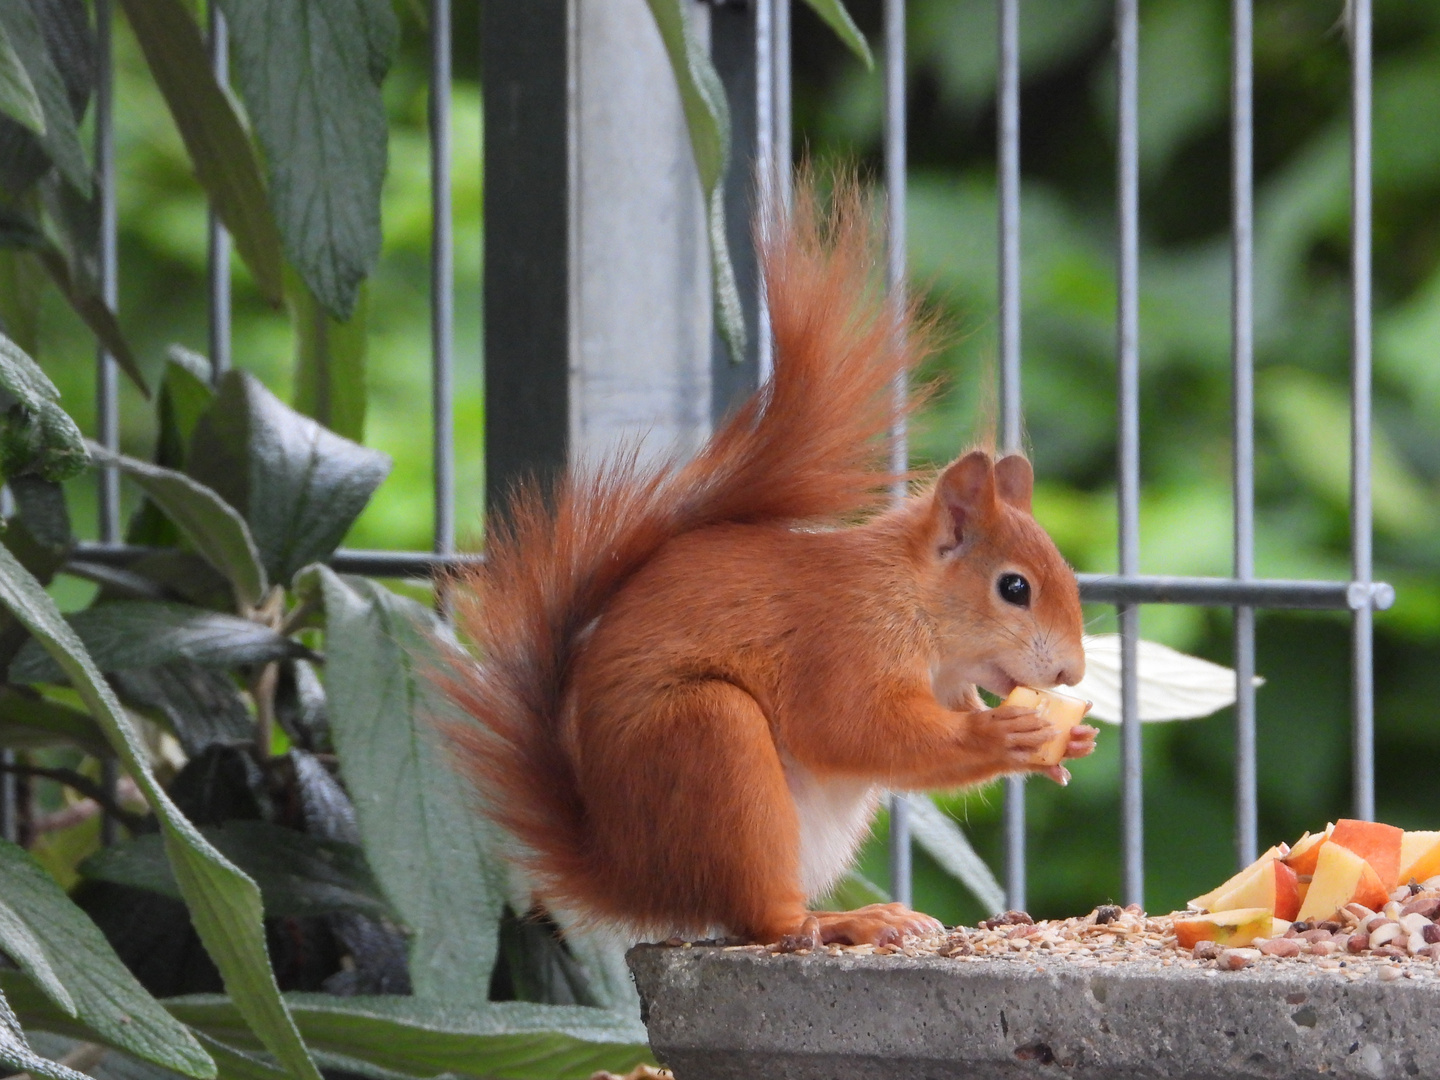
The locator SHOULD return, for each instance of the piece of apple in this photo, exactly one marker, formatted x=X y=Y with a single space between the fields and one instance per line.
x=1234 y=929
x=1306 y=850
x=1419 y=857
x=1206 y=901
x=1269 y=884
x=1060 y=711
x=1376 y=843
x=1341 y=876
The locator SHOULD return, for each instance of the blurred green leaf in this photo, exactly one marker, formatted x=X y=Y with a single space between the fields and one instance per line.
x=225 y=161
x=426 y=845
x=141 y=633
x=224 y=904
x=418 y=1037
x=211 y=525
x=1312 y=421
x=36 y=434
x=85 y=977
x=310 y=73
x=299 y=486
x=298 y=874
x=853 y=890
x=936 y=832
x=29 y=721
x=838 y=19
x=707 y=115
x=85 y=299
x=330 y=362
x=60 y=139
x=18 y=98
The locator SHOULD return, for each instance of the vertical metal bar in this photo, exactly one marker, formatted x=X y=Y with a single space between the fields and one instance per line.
x=107 y=397
x=442 y=278
x=1127 y=32
x=218 y=260
x=1243 y=400
x=895 y=161
x=783 y=116
x=1008 y=162
x=9 y=820
x=106 y=389
x=1362 y=655
x=765 y=172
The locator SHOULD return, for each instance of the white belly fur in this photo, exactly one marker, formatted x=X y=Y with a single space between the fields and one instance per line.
x=834 y=817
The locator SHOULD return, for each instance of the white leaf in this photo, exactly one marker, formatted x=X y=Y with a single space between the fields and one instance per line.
x=936 y=832
x=1173 y=685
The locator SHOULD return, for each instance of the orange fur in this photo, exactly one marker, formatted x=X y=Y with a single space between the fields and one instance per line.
x=693 y=679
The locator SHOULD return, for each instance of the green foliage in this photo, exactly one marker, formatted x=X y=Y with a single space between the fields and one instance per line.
x=24 y=36
x=708 y=117
x=71 y=963
x=18 y=98
x=310 y=73
x=413 y=811
x=36 y=435
x=225 y=161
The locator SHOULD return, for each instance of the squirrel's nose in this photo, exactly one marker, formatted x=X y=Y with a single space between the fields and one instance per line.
x=1071 y=673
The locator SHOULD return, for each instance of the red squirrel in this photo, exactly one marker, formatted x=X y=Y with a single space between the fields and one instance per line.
x=694 y=682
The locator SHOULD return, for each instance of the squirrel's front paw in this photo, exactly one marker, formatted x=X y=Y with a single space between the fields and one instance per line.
x=1017 y=733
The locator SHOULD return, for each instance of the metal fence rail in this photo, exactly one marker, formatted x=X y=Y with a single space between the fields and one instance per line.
x=770 y=84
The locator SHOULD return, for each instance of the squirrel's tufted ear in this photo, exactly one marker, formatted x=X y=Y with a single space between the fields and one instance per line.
x=1015 y=481
x=966 y=494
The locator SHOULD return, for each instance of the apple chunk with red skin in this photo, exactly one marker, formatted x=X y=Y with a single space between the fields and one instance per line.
x=1306 y=850
x=1234 y=929
x=1270 y=884
x=1341 y=877
x=1209 y=901
x=1378 y=844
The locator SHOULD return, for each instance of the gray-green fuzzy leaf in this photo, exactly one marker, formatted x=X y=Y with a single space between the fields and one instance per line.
x=298 y=485
x=224 y=904
x=936 y=832
x=142 y=633
x=213 y=527
x=201 y=706
x=18 y=98
x=15 y=1052
x=310 y=73
x=224 y=158
x=427 y=846
x=707 y=115
x=102 y=993
x=36 y=434
x=416 y=1037
x=298 y=874
x=61 y=138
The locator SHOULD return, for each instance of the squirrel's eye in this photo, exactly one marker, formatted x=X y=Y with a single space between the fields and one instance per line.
x=1014 y=589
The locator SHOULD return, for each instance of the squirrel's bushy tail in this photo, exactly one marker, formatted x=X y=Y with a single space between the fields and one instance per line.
x=807 y=448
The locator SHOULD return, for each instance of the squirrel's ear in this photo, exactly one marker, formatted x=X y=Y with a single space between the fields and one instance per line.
x=966 y=494
x=1015 y=481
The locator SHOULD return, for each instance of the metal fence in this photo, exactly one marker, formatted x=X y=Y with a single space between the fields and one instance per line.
x=761 y=81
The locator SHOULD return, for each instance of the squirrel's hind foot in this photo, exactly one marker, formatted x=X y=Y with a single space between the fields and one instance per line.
x=875 y=924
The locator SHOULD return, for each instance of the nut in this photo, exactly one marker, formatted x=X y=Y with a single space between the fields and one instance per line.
x=1389 y=973
x=1358 y=910
x=1432 y=934
x=1280 y=946
x=1329 y=924
x=1357 y=942
x=1392 y=909
x=1415 y=944
x=1235 y=959
x=1385 y=933
x=1422 y=905
x=1315 y=935
x=1324 y=948
x=1206 y=950
x=1106 y=913
x=1389 y=950
x=1414 y=922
